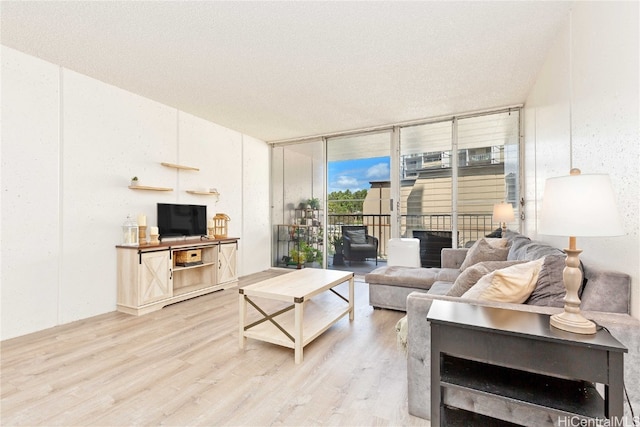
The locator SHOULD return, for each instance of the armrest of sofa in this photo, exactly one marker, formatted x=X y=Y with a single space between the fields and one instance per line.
x=453 y=258
x=623 y=327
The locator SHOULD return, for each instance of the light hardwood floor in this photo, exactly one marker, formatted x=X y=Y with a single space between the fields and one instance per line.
x=182 y=366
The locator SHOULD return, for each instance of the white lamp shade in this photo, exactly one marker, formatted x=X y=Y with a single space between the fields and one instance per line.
x=503 y=212
x=580 y=206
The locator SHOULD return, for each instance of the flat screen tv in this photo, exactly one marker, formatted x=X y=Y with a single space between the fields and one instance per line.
x=181 y=220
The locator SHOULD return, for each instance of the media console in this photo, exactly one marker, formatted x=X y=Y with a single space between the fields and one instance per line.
x=149 y=278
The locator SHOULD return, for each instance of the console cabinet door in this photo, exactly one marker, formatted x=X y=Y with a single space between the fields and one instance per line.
x=154 y=277
x=227 y=264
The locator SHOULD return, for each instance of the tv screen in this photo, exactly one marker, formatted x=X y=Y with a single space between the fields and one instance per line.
x=181 y=220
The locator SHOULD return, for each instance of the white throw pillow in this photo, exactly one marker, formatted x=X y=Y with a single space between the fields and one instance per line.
x=512 y=284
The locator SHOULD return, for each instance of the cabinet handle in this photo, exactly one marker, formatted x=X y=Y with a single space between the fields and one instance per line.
x=219 y=264
x=171 y=274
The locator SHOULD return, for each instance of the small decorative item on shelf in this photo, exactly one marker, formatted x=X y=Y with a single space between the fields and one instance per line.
x=142 y=229
x=135 y=181
x=130 y=232
x=154 y=236
x=220 y=225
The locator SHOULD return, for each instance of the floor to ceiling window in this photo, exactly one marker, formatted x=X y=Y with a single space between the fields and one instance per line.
x=448 y=198
x=358 y=187
x=448 y=176
x=488 y=162
x=297 y=214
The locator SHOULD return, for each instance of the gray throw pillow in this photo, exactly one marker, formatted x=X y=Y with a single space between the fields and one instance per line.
x=482 y=250
x=518 y=245
x=471 y=275
x=549 y=290
x=357 y=236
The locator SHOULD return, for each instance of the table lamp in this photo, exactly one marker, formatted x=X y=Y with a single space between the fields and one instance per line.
x=503 y=213
x=578 y=205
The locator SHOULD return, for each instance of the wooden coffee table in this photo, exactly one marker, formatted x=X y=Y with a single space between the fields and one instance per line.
x=304 y=320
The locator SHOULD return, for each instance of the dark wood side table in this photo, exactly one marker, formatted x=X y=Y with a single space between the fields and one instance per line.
x=492 y=366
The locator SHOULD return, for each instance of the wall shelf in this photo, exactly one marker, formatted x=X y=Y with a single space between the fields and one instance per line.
x=172 y=165
x=144 y=187
x=202 y=193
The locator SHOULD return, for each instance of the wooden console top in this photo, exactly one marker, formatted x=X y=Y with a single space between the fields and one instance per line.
x=179 y=243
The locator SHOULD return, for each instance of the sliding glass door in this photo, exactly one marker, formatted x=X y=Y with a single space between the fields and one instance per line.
x=488 y=155
x=436 y=181
x=452 y=172
x=358 y=185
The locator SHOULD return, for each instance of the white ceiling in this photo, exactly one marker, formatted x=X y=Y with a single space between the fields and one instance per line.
x=280 y=70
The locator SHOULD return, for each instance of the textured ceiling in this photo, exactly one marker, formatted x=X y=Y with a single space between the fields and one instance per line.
x=279 y=70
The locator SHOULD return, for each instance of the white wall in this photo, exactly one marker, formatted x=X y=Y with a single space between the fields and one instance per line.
x=70 y=144
x=602 y=65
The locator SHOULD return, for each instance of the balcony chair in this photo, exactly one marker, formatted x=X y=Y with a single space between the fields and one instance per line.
x=358 y=245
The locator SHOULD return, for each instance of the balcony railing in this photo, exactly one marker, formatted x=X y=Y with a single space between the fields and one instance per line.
x=471 y=227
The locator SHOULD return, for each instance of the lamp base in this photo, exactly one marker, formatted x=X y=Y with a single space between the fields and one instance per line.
x=573 y=322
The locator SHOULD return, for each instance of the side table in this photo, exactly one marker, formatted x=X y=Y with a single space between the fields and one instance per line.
x=492 y=366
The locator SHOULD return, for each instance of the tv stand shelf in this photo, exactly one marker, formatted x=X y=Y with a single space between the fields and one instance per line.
x=149 y=279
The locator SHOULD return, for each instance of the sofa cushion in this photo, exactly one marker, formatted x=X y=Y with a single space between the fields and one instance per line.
x=486 y=250
x=512 y=284
x=448 y=274
x=356 y=236
x=421 y=278
x=440 y=288
x=471 y=275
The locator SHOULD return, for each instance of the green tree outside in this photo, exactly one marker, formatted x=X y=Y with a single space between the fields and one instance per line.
x=346 y=202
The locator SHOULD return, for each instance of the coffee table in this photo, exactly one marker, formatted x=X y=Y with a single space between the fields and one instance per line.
x=304 y=320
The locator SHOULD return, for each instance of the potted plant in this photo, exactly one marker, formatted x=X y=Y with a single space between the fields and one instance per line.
x=297 y=257
x=338 y=244
x=314 y=203
x=336 y=241
x=308 y=252
x=318 y=256
x=134 y=181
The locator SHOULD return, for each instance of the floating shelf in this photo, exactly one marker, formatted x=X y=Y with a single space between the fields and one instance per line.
x=202 y=193
x=171 y=165
x=144 y=187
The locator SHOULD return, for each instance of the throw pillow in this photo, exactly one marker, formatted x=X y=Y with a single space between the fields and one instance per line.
x=550 y=290
x=518 y=242
x=485 y=249
x=512 y=284
x=471 y=275
x=357 y=236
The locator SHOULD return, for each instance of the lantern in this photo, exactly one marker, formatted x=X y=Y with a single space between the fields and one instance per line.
x=129 y=232
x=220 y=225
